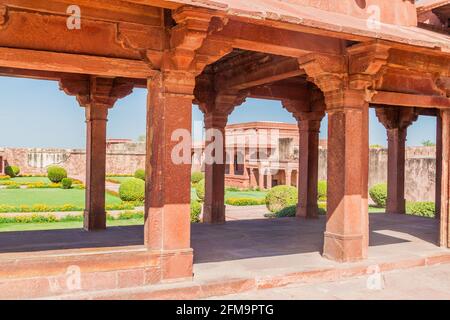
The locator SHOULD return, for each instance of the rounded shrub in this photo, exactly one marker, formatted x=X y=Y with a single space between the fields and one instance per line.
x=56 y=174
x=322 y=190
x=378 y=193
x=66 y=183
x=281 y=197
x=132 y=189
x=12 y=171
x=140 y=174
x=196 y=177
x=196 y=210
x=200 y=189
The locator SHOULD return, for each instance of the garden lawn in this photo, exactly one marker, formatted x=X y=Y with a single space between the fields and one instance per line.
x=258 y=195
x=30 y=179
x=8 y=227
x=119 y=179
x=50 y=197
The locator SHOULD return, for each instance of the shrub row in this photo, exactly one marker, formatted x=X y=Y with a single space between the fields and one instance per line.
x=63 y=208
x=196 y=209
x=291 y=211
x=35 y=218
x=245 y=202
x=38 y=185
x=4 y=177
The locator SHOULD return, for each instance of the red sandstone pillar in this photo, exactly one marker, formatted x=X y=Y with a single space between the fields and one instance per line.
x=438 y=165
x=444 y=234
x=288 y=175
x=94 y=213
x=308 y=168
x=345 y=235
x=214 y=206
x=96 y=95
x=396 y=171
x=396 y=121
x=261 y=179
x=167 y=197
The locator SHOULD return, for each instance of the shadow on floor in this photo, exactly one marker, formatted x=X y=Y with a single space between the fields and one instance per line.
x=239 y=239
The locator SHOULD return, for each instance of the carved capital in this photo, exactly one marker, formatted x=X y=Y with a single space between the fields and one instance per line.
x=396 y=117
x=96 y=91
x=328 y=72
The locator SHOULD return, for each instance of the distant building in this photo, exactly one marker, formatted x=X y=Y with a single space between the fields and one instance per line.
x=264 y=154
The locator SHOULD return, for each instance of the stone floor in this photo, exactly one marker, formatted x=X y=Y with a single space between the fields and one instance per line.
x=249 y=245
x=424 y=283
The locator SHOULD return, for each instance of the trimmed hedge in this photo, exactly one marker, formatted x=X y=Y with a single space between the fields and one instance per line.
x=378 y=193
x=322 y=190
x=200 y=190
x=140 y=174
x=132 y=189
x=63 y=208
x=4 y=177
x=12 y=171
x=196 y=177
x=56 y=174
x=281 y=197
x=196 y=210
x=49 y=218
x=66 y=183
x=292 y=210
x=241 y=202
x=422 y=209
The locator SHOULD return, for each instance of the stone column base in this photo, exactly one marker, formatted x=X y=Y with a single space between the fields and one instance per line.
x=94 y=221
x=309 y=212
x=214 y=214
x=341 y=248
x=177 y=265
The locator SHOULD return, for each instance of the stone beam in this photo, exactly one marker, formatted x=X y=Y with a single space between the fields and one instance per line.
x=410 y=100
x=134 y=11
x=74 y=63
x=275 y=69
x=280 y=91
x=254 y=37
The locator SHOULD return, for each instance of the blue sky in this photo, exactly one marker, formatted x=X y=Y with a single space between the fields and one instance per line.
x=35 y=113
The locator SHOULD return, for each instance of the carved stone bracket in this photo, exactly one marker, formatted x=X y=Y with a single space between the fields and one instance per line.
x=346 y=80
x=96 y=91
x=396 y=118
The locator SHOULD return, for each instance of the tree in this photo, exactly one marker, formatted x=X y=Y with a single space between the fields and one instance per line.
x=428 y=143
x=141 y=138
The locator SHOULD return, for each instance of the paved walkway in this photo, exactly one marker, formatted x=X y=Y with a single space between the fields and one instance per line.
x=424 y=283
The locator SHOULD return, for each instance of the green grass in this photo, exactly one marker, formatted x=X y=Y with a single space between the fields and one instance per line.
x=51 y=197
x=119 y=179
x=8 y=227
x=246 y=194
x=30 y=179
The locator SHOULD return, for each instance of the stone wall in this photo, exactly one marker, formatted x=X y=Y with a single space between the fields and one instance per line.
x=125 y=158
x=120 y=159
x=420 y=171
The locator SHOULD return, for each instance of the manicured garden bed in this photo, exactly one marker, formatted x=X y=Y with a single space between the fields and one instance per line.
x=51 y=197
